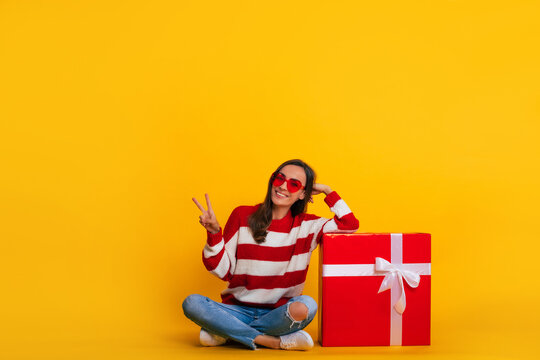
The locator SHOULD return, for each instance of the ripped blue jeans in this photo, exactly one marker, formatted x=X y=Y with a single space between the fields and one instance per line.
x=244 y=323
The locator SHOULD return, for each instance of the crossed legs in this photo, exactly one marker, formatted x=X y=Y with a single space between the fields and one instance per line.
x=247 y=325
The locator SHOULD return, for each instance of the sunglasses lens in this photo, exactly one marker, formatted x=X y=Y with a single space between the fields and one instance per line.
x=294 y=185
x=278 y=179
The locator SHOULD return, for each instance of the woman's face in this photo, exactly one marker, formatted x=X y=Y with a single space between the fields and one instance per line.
x=281 y=195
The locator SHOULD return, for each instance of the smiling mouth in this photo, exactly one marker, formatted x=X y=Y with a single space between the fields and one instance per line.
x=280 y=195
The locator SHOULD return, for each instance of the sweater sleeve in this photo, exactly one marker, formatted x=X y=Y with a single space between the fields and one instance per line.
x=219 y=253
x=343 y=221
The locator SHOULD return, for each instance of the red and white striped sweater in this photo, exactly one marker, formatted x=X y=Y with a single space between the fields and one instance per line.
x=270 y=273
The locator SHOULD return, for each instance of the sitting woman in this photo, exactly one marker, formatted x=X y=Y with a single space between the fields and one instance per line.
x=263 y=253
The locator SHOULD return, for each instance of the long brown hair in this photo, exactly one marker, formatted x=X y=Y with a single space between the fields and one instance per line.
x=260 y=220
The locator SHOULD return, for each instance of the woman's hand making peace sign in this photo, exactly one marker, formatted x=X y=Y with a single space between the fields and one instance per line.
x=208 y=218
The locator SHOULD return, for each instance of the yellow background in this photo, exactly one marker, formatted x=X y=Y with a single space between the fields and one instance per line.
x=423 y=115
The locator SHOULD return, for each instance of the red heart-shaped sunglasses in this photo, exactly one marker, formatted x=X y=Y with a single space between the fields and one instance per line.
x=293 y=185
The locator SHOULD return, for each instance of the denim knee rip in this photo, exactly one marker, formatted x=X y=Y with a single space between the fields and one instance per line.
x=293 y=321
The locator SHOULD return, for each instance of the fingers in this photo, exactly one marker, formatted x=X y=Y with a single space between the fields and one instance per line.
x=207 y=219
x=198 y=205
x=208 y=203
x=204 y=223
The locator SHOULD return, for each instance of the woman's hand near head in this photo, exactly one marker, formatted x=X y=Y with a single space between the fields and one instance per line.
x=320 y=188
x=208 y=218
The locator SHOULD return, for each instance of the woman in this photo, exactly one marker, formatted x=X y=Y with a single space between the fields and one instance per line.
x=263 y=253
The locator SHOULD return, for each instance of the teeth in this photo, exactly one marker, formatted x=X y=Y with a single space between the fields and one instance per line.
x=280 y=195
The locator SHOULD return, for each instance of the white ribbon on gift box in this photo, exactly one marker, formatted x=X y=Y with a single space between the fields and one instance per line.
x=393 y=273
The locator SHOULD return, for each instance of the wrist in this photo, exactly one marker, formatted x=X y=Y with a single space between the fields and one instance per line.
x=214 y=231
x=328 y=190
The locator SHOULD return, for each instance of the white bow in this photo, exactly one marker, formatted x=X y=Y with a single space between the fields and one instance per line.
x=394 y=273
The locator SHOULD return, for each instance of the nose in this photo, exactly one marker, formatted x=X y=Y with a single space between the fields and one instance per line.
x=283 y=187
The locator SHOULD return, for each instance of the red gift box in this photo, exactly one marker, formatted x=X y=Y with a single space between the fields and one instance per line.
x=375 y=289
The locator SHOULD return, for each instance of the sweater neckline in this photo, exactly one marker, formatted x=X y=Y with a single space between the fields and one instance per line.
x=282 y=225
